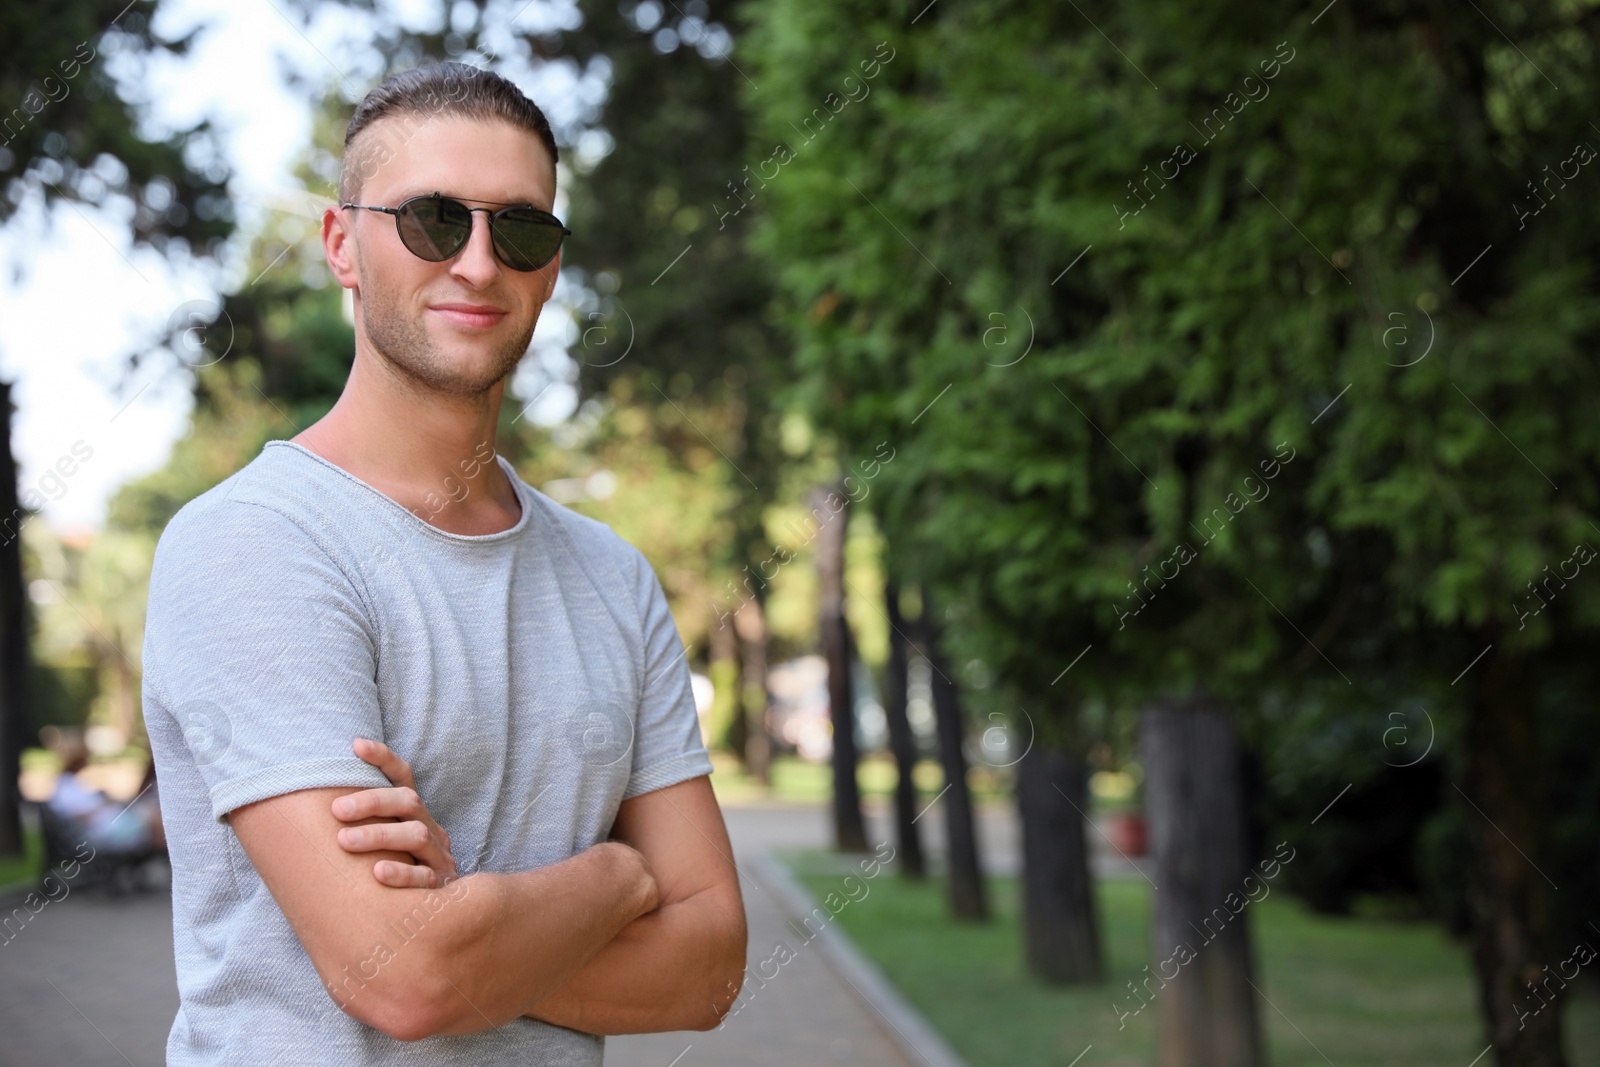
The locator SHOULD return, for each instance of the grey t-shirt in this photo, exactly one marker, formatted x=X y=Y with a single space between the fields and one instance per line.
x=533 y=678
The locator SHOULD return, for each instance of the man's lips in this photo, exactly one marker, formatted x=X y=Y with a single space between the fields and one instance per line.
x=472 y=316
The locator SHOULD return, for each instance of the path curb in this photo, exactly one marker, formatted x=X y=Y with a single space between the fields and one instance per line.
x=916 y=1038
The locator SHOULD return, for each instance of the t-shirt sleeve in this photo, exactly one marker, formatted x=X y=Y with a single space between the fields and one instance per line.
x=667 y=746
x=258 y=647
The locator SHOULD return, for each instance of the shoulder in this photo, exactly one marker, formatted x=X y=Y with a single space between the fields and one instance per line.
x=280 y=504
x=617 y=571
x=241 y=571
x=598 y=547
x=251 y=539
x=240 y=518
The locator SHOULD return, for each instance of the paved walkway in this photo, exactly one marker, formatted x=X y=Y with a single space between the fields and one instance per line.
x=89 y=980
x=809 y=1013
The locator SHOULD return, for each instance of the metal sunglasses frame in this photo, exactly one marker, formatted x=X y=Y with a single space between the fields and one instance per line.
x=494 y=217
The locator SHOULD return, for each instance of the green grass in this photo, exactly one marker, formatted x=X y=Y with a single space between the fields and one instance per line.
x=27 y=868
x=1363 y=991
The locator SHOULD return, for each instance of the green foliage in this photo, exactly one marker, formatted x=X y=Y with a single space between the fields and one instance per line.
x=666 y=263
x=62 y=693
x=72 y=131
x=73 y=128
x=225 y=432
x=88 y=626
x=1230 y=313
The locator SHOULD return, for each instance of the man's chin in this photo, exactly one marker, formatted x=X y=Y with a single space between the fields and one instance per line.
x=477 y=364
x=439 y=357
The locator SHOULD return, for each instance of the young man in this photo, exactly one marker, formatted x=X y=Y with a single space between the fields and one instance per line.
x=385 y=576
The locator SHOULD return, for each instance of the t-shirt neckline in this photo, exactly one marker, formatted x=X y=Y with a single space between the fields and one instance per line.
x=524 y=498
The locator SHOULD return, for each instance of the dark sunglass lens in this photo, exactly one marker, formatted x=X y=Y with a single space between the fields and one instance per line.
x=526 y=241
x=434 y=228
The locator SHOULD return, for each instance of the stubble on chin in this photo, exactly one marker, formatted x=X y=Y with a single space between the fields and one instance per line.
x=411 y=352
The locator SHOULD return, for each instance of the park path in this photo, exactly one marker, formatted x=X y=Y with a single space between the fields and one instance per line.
x=89 y=981
x=813 y=1012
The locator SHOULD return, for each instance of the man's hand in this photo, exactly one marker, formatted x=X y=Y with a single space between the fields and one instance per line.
x=679 y=965
x=415 y=832
x=476 y=954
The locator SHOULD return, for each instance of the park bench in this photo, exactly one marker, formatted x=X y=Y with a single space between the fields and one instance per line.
x=119 y=872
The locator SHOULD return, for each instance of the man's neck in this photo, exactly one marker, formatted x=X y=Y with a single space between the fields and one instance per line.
x=431 y=453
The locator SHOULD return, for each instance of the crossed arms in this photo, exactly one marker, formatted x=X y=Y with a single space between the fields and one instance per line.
x=642 y=933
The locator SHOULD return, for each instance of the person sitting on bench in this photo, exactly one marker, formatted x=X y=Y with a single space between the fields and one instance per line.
x=107 y=825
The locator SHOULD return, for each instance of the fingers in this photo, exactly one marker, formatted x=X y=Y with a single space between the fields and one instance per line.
x=416 y=838
x=381 y=756
x=412 y=837
x=405 y=875
x=414 y=830
x=395 y=802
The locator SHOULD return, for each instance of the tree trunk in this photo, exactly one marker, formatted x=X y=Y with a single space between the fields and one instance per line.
x=750 y=621
x=723 y=667
x=902 y=742
x=967 y=896
x=14 y=711
x=1510 y=903
x=1061 y=931
x=1206 y=1007
x=849 y=830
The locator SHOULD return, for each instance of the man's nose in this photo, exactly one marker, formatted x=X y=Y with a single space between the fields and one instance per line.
x=477 y=263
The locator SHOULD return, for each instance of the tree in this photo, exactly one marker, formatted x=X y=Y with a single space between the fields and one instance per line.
x=882 y=339
x=832 y=508
x=663 y=242
x=1216 y=472
x=1208 y=1006
x=69 y=133
x=1061 y=933
x=963 y=867
x=902 y=742
x=14 y=652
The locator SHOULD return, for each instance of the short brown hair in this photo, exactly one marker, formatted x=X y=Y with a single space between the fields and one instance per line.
x=436 y=89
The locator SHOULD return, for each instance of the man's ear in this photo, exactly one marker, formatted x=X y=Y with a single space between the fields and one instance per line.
x=339 y=245
x=555 y=271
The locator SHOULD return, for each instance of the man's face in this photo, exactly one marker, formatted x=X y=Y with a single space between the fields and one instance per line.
x=459 y=326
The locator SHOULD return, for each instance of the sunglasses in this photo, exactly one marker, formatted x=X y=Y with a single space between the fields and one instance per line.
x=435 y=227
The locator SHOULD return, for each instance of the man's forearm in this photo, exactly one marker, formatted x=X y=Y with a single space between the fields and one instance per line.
x=677 y=968
x=518 y=937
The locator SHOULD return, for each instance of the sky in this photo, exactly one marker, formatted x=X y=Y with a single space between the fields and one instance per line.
x=86 y=298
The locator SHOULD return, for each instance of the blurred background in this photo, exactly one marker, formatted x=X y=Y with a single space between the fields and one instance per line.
x=1134 y=465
